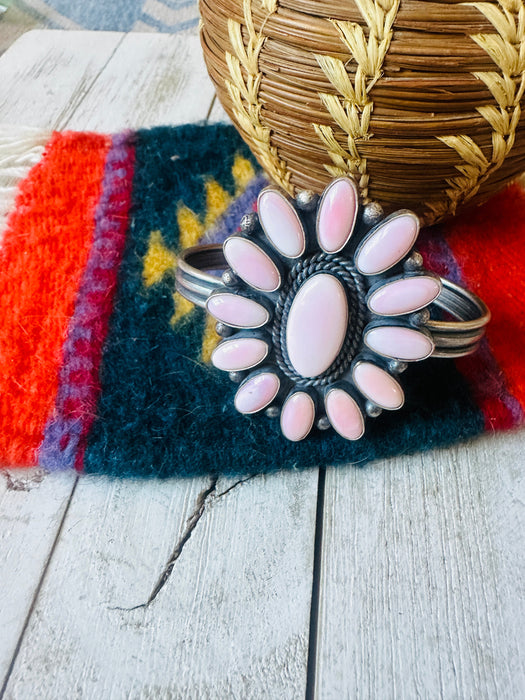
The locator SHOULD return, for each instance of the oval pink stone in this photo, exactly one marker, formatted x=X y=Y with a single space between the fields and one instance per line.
x=388 y=244
x=281 y=223
x=399 y=343
x=317 y=324
x=252 y=264
x=256 y=393
x=378 y=386
x=404 y=296
x=237 y=311
x=239 y=353
x=344 y=414
x=337 y=215
x=297 y=416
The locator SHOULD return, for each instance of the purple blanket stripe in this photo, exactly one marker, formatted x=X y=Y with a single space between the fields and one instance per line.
x=228 y=223
x=79 y=384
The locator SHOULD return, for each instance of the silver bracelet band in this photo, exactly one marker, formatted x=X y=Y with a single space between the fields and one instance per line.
x=452 y=338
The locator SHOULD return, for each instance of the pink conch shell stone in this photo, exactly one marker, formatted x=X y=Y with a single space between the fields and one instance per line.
x=317 y=324
x=388 y=244
x=399 y=343
x=252 y=264
x=344 y=414
x=378 y=386
x=256 y=393
x=297 y=416
x=281 y=223
x=239 y=353
x=404 y=296
x=337 y=215
x=237 y=311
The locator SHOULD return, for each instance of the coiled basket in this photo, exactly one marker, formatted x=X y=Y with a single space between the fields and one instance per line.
x=418 y=100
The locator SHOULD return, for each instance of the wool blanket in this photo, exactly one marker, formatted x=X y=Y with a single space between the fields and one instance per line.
x=105 y=368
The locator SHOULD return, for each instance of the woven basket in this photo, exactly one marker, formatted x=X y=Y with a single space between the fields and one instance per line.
x=419 y=101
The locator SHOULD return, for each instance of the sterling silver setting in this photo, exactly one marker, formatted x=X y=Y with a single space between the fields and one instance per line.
x=321 y=305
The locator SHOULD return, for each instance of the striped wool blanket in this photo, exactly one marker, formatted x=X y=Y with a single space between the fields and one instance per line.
x=104 y=368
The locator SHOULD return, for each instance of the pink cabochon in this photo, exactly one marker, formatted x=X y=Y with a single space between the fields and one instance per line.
x=256 y=393
x=399 y=343
x=237 y=311
x=337 y=215
x=404 y=296
x=378 y=386
x=388 y=244
x=316 y=325
x=252 y=264
x=344 y=414
x=281 y=223
x=239 y=353
x=297 y=416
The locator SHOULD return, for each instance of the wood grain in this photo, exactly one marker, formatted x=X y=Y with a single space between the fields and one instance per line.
x=31 y=510
x=422 y=590
x=231 y=621
x=46 y=75
x=232 y=617
x=151 y=80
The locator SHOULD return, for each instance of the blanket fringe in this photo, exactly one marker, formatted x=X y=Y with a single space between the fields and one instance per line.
x=21 y=147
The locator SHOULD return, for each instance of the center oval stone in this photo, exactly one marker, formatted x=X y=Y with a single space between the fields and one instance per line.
x=317 y=324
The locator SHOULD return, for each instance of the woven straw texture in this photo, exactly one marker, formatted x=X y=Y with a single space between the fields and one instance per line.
x=419 y=101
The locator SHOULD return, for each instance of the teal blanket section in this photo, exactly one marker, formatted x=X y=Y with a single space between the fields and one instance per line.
x=162 y=411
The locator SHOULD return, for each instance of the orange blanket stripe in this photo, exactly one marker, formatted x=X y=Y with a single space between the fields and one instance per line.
x=37 y=293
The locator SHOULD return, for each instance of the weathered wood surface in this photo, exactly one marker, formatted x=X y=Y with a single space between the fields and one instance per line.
x=422 y=591
x=46 y=75
x=32 y=507
x=230 y=619
x=418 y=578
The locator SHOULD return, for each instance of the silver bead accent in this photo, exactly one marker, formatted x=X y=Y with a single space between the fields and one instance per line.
x=396 y=366
x=272 y=411
x=419 y=318
x=372 y=213
x=372 y=410
x=306 y=200
x=323 y=423
x=223 y=330
x=229 y=278
x=414 y=262
x=236 y=377
x=248 y=223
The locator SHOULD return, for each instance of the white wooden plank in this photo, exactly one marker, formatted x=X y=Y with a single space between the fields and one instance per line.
x=46 y=74
x=258 y=538
x=41 y=74
x=230 y=622
x=153 y=79
x=422 y=590
x=31 y=510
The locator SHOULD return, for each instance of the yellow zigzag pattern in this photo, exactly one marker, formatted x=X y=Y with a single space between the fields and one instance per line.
x=159 y=259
